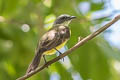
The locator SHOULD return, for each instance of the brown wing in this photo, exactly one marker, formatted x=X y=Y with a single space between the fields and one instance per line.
x=54 y=37
x=49 y=40
x=64 y=34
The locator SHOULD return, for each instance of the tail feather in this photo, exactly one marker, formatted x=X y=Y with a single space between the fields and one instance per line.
x=35 y=61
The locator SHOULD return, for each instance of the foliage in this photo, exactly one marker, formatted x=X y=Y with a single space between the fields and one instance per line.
x=22 y=22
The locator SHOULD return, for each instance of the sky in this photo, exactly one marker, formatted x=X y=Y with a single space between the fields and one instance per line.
x=111 y=9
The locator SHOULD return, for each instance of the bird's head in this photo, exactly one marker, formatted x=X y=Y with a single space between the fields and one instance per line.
x=64 y=20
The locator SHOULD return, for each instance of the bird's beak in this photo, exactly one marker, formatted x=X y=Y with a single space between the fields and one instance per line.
x=72 y=17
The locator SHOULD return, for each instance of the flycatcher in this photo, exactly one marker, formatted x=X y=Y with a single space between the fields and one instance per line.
x=53 y=40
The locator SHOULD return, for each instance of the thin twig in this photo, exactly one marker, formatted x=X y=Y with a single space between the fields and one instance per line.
x=77 y=45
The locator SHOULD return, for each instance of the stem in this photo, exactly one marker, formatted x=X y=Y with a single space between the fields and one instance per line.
x=77 y=45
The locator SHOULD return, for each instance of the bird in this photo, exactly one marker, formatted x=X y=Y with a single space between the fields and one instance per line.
x=53 y=40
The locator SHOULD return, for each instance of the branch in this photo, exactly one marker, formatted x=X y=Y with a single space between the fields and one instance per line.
x=77 y=45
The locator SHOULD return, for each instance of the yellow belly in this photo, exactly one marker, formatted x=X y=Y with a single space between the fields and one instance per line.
x=53 y=51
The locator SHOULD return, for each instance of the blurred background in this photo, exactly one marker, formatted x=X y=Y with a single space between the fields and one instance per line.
x=23 y=22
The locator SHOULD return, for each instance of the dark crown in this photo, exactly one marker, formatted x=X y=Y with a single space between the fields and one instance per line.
x=62 y=18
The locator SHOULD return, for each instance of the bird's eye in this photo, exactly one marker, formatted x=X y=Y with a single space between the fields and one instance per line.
x=64 y=17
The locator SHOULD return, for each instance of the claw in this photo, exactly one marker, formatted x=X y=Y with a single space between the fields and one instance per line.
x=59 y=52
x=45 y=60
x=80 y=38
